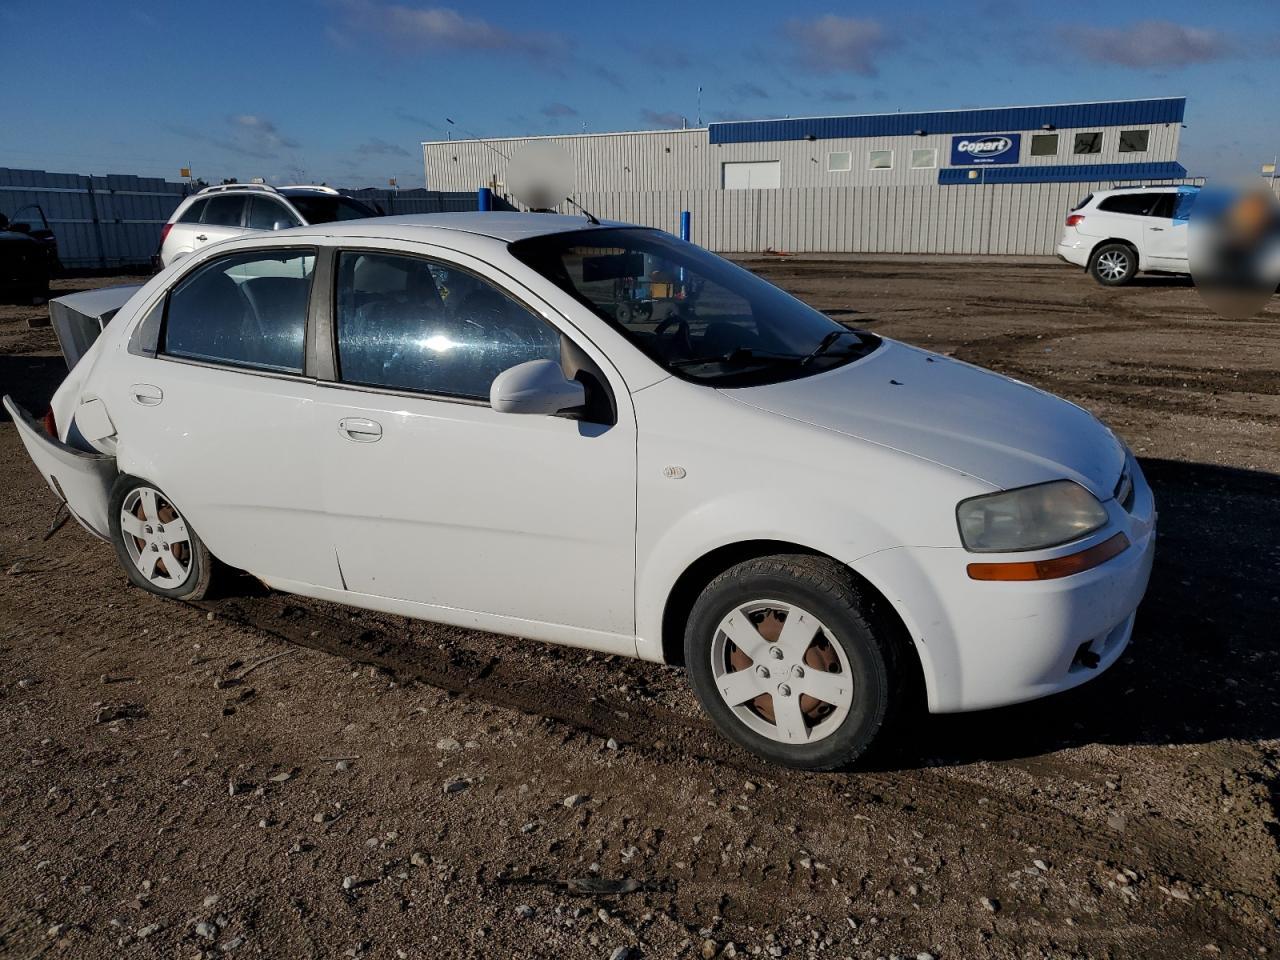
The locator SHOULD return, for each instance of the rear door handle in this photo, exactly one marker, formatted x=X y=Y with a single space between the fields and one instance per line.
x=201 y=236
x=147 y=394
x=359 y=429
x=1157 y=229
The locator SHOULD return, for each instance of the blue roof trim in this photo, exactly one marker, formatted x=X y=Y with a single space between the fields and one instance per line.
x=995 y=120
x=1064 y=173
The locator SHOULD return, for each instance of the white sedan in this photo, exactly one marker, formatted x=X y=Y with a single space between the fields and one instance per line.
x=602 y=436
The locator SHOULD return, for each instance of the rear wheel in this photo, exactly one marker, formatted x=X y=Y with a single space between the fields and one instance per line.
x=786 y=662
x=1114 y=264
x=154 y=543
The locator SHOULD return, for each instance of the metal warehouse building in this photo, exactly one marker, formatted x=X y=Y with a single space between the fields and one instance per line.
x=950 y=181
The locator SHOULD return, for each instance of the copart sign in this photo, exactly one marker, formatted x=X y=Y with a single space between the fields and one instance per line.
x=985 y=148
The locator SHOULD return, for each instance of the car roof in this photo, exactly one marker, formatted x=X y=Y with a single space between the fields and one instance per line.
x=1156 y=187
x=498 y=225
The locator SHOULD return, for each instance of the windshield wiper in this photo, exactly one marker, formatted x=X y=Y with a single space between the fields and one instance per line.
x=738 y=355
x=826 y=343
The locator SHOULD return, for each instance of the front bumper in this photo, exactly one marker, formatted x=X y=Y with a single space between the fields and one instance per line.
x=988 y=644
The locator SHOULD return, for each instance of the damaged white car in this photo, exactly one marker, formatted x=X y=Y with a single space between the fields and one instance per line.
x=602 y=436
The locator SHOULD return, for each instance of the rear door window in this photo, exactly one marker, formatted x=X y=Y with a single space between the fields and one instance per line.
x=1163 y=206
x=248 y=310
x=225 y=211
x=407 y=323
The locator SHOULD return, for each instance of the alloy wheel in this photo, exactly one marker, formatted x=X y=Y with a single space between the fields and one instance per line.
x=155 y=537
x=782 y=674
x=1113 y=265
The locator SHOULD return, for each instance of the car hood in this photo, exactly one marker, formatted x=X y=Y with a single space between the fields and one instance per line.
x=17 y=237
x=980 y=423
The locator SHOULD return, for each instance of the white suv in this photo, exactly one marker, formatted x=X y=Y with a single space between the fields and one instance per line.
x=232 y=209
x=1115 y=233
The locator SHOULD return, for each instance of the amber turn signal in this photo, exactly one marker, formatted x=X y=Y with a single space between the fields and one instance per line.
x=1055 y=568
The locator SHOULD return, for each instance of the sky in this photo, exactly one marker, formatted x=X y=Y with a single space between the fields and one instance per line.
x=343 y=91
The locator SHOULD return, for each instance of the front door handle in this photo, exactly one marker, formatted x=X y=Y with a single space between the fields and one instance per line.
x=359 y=429
x=147 y=394
x=1157 y=229
x=202 y=237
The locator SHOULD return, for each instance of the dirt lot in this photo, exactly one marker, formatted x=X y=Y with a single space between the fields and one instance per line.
x=267 y=776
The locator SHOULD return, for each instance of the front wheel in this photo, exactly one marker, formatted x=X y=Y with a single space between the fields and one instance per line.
x=154 y=544
x=784 y=659
x=1114 y=264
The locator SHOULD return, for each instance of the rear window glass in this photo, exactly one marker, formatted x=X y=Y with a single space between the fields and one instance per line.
x=248 y=310
x=1084 y=202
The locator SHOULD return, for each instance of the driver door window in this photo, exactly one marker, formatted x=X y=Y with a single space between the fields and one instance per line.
x=407 y=323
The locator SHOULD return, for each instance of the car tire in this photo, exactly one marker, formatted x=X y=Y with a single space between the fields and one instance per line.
x=836 y=634
x=157 y=536
x=1113 y=264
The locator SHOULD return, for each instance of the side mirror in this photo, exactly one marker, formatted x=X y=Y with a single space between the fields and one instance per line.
x=538 y=387
x=281 y=225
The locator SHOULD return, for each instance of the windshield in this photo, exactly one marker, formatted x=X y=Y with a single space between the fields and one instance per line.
x=699 y=316
x=326 y=208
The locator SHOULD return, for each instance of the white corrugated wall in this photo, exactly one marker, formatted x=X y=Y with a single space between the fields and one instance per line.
x=980 y=218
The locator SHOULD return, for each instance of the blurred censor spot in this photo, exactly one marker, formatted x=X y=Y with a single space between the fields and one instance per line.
x=1233 y=244
x=540 y=175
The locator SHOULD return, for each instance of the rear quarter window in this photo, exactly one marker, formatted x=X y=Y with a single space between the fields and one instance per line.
x=193 y=213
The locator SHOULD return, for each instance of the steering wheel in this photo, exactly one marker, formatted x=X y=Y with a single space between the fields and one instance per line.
x=681 y=339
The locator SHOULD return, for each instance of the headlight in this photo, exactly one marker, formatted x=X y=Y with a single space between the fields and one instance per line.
x=1029 y=518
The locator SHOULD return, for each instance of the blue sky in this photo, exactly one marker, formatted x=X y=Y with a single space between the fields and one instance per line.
x=343 y=91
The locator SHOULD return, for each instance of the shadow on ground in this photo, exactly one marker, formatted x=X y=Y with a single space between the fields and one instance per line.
x=1162 y=280
x=31 y=380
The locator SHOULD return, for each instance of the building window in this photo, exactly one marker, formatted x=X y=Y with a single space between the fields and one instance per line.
x=1088 y=142
x=841 y=162
x=925 y=159
x=1134 y=141
x=880 y=160
x=751 y=175
x=1044 y=145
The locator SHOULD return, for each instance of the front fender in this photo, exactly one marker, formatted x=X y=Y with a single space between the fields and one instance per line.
x=741 y=518
x=721 y=472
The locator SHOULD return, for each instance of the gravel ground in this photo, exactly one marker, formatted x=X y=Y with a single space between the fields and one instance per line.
x=268 y=776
